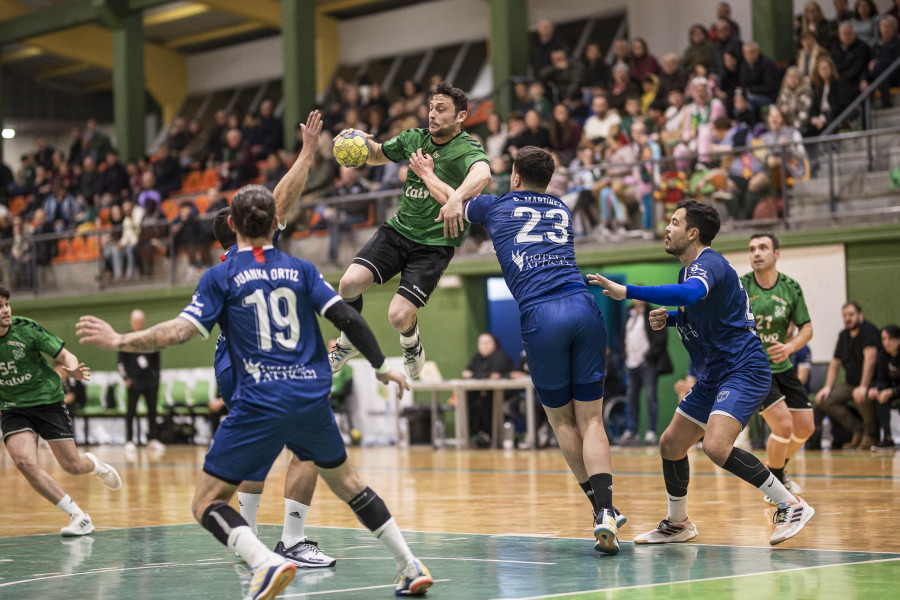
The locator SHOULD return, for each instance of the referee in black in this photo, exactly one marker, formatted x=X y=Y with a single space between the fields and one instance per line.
x=141 y=374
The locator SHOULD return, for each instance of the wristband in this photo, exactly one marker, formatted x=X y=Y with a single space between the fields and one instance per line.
x=384 y=368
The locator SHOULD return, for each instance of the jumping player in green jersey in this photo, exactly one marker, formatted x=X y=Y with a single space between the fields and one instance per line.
x=31 y=401
x=777 y=302
x=414 y=242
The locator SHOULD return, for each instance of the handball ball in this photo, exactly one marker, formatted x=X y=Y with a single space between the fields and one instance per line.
x=351 y=150
x=355 y=436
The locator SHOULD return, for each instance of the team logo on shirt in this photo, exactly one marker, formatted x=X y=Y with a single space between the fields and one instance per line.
x=723 y=395
x=780 y=311
x=519 y=259
x=18 y=353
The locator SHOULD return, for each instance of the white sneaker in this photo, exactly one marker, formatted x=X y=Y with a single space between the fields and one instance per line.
x=669 y=531
x=107 y=474
x=156 y=446
x=338 y=357
x=413 y=359
x=650 y=437
x=414 y=580
x=626 y=436
x=792 y=486
x=78 y=525
x=790 y=519
x=130 y=447
x=305 y=554
x=605 y=532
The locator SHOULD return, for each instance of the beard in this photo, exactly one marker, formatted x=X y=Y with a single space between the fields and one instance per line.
x=674 y=249
x=443 y=131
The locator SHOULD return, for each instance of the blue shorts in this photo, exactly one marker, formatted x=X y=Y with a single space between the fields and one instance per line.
x=225 y=381
x=737 y=395
x=252 y=436
x=565 y=344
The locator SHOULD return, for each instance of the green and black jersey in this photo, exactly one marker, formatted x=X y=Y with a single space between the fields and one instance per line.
x=26 y=379
x=775 y=309
x=418 y=208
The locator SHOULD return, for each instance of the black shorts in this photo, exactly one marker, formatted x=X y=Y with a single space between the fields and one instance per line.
x=786 y=386
x=50 y=421
x=389 y=252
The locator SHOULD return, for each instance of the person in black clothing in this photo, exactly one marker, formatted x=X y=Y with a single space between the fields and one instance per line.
x=216 y=137
x=596 y=72
x=167 y=171
x=114 y=179
x=545 y=43
x=270 y=130
x=886 y=51
x=851 y=59
x=141 y=374
x=491 y=362
x=886 y=387
x=759 y=76
x=726 y=41
x=856 y=349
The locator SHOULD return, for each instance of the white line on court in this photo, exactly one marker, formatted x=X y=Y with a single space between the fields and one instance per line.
x=107 y=570
x=692 y=581
x=359 y=589
x=490 y=560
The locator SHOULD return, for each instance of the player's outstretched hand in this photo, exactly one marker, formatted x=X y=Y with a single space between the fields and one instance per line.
x=311 y=130
x=421 y=164
x=91 y=330
x=395 y=376
x=80 y=372
x=368 y=136
x=658 y=318
x=614 y=290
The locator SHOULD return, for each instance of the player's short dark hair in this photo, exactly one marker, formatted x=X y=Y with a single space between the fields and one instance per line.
x=252 y=210
x=224 y=234
x=460 y=100
x=703 y=217
x=892 y=330
x=775 y=243
x=535 y=166
x=854 y=304
x=4 y=291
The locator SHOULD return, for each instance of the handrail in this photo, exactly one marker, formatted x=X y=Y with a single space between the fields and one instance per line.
x=863 y=97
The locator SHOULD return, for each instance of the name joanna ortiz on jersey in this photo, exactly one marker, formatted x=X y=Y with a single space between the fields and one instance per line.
x=266 y=275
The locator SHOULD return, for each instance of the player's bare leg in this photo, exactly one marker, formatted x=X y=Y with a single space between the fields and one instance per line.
x=402 y=315
x=271 y=572
x=778 y=417
x=299 y=486
x=413 y=578
x=356 y=280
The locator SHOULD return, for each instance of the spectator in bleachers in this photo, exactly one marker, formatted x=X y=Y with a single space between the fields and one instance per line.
x=723 y=11
x=251 y=134
x=98 y=141
x=216 y=137
x=813 y=20
x=728 y=81
x=377 y=99
x=114 y=179
x=217 y=200
x=43 y=155
x=596 y=72
x=865 y=21
x=89 y=180
x=649 y=91
x=194 y=153
x=500 y=175
x=894 y=10
x=744 y=112
x=621 y=53
x=673 y=127
x=842 y=11
x=21 y=254
x=826 y=97
x=602 y=119
x=495 y=142
x=238 y=166
x=886 y=385
x=795 y=99
x=700 y=50
x=631 y=114
x=544 y=46
x=24 y=177
x=44 y=250
x=167 y=171
x=535 y=134
x=43 y=187
x=339 y=218
x=131 y=235
x=148 y=194
x=809 y=54
x=187 y=230
x=111 y=245
x=759 y=76
x=273 y=171
x=885 y=52
x=577 y=107
x=642 y=62
x=539 y=101
x=177 y=137
x=672 y=77
x=375 y=122
x=6 y=182
x=75 y=147
x=726 y=41
x=695 y=137
x=770 y=175
x=623 y=87
x=851 y=59
x=411 y=97
x=564 y=74
x=271 y=130
x=565 y=133
x=154 y=236
x=68 y=209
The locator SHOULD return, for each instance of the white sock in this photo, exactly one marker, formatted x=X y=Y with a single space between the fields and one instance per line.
x=244 y=541
x=344 y=341
x=249 y=504
x=294 y=522
x=389 y=535
x=98 y=466
x=677 y=507
x=406 y=342
x=68 y=506
x=775 y=490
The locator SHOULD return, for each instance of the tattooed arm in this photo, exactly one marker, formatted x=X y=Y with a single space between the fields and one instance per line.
x=98 y=332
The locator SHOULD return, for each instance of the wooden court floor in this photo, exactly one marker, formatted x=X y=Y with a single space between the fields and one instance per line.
x=489 y=523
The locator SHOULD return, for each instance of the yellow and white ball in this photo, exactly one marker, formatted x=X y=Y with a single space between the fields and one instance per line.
x=351 y=150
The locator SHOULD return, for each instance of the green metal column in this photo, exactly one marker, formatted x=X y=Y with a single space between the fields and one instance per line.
x=298 y=42
x=1 y=114
x=508 y=48
x=129 y=106
x=773 y=28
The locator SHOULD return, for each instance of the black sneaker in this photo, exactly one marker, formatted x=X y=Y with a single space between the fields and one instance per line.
x=885 y=444
x=305 y=554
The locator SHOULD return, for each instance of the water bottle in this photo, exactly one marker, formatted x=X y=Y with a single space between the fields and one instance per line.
x=826 y=434
x=509 y=436
x=437 y=436
x=403 y=433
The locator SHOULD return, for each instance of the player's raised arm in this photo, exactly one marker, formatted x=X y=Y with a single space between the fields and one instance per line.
x=92 y=330
x=678 y=294
x=423 y=166
x=291 y=185
x=351 y=323
x=452 y=212
x=376 y=154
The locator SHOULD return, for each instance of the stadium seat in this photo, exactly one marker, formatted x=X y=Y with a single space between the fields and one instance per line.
x=202 y=203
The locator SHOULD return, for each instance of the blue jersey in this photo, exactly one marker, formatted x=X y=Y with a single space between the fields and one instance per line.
x=266 y=302
x=222 y=362
x=719 y=330
x=534 y=242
